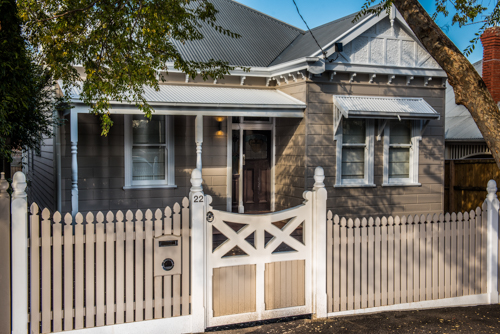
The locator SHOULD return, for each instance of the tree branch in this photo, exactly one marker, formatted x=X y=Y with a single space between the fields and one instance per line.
x=70 y=12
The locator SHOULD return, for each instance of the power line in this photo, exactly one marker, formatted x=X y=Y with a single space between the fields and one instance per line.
x=322 y=51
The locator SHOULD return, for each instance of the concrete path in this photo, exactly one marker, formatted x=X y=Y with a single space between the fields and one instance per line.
x=476 y=319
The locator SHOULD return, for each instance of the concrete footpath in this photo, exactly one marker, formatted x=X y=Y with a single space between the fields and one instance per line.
x=474 y=319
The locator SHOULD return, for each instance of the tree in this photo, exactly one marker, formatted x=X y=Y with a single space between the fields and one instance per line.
x=470 y=89
x=122 y=45
x=27 y=93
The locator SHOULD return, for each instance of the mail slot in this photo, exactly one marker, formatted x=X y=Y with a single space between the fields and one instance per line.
x=167 y=257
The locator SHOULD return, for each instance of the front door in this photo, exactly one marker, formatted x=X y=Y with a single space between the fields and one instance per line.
x=257 y=170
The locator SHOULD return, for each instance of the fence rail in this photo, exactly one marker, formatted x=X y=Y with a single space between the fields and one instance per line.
x=98 y=270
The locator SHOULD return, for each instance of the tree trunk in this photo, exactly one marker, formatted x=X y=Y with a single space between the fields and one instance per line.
x=470 y=89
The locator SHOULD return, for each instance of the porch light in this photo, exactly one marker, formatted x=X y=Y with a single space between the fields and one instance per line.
x=219 y=119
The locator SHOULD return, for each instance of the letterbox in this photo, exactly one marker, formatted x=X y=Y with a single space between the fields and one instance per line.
x=167 y=257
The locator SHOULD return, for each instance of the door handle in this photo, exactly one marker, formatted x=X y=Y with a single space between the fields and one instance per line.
x=243 y=160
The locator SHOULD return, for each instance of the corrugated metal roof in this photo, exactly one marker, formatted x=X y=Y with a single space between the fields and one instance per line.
x=215 y=97
x=382 y=107
x=459 y=123
x=263 y=37
x=304 y=45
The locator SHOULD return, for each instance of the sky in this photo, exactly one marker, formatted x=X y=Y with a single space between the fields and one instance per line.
x=318 y=12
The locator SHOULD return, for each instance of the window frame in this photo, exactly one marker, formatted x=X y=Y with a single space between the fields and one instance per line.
x=367 y=181
x=169 y=181
x=412 y=180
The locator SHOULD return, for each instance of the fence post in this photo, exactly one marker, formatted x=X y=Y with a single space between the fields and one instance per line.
x=319 y=244
x=4 y=256
x=19 y=255
x=197 y=215
x=492 y=244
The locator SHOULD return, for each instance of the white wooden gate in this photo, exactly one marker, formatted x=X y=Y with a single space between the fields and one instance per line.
x=259 y=265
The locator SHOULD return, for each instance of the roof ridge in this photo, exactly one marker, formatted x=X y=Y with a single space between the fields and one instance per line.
x=266 y=16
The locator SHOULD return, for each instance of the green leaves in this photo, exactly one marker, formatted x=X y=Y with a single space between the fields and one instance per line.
x=120 y=45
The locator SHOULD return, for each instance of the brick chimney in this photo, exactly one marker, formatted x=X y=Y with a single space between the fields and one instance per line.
x=491 y=61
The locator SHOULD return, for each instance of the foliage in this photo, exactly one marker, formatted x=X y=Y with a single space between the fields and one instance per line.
x=27 y=94
x=122 y=45
x=465 y=12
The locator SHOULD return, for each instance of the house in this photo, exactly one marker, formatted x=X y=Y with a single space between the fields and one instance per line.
x=371 y=115
x=469 y=163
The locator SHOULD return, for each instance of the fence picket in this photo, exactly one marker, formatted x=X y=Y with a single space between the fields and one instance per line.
x=357 y=263
x=453 y=249
x=120 y=268
x=337 y=256
x=350 y=266
x=383 y=282
x=68 y=273
x=484 y=240
x=186 y=256
x=428 y=257
x=110 y=269
x=421 y=267
x=390 y=261
x=129 y=267
x=46 y=272
x=410 y=238
x=378 y=261
x=57 y=287
x=35 y=270
x=460 y=229
x=176 y=284
x=397 y=260
x=158 y=281
x=466 y=255
x=473 y=249
x=404 y=257
x=100 y=269
x=79 y=272
x=364 y=262
x=371 y=263
x=329 y=262
x=167 y=280
x=343 y=264
x=148 y=265
x=435 y=257
x=89 y=271
x=416 y=258
x=139 y=266
x=479 y=246
x=441 y=264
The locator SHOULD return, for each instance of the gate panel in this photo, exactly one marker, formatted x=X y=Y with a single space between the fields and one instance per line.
x=278 y=249
x=285 y=284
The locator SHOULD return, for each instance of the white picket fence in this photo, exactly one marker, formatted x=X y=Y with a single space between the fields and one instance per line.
x=98 y=271
x=67 y=277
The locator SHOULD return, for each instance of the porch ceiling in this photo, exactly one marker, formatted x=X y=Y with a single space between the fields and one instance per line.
x=203 y=100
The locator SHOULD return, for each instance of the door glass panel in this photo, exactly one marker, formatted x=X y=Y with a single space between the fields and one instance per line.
x=256 y=145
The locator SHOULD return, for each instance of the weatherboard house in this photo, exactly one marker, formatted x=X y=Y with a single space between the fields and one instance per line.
x=371 y=114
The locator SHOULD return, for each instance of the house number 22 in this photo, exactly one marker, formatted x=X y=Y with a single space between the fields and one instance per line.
x=198 y=199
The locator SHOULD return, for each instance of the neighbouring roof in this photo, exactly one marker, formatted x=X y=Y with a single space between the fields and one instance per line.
x=384 y=107
x=262 y=39
x=459 y=124
x=195 y=96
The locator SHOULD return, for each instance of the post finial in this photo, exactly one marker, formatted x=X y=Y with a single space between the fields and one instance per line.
x=492 y=190
x=19 y=185
x=319 y=177
x=196 y=181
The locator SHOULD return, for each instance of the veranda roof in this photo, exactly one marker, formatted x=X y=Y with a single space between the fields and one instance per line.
x=384 y=107
x=207 y=100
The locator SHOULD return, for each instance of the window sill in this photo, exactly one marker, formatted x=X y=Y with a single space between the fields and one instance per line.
x=146 y=186
x=400 y=184
x=361 y=185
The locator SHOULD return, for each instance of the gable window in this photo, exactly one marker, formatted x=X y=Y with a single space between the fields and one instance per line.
x=401 y=152
x=149 y=158
x=354 y=153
